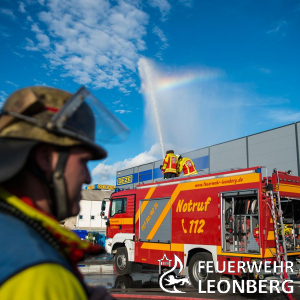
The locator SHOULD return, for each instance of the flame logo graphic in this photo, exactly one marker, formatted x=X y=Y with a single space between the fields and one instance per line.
x=171 y=279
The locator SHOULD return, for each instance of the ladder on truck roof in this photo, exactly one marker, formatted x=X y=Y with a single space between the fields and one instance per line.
x=281 y=253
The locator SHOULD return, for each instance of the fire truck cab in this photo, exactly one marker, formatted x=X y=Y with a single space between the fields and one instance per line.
x=218 y=217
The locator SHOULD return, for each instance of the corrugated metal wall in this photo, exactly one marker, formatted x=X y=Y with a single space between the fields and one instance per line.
x=228 y=155
x=276 y=148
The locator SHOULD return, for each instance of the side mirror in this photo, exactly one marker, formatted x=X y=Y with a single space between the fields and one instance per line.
x=103 y=206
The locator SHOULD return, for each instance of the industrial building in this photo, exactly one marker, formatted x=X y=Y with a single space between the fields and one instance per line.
x=90 y=208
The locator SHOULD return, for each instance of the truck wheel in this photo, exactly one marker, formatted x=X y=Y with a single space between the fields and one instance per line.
x=122 y=264
x=195 y=276
x=123 y=282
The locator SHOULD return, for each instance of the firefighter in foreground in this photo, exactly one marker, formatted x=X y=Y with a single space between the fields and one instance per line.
x=186 y=165
x=169 y=167
x=47 y=136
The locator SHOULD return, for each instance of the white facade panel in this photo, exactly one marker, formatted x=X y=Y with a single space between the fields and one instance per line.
x=274 y=149
x=89 y=215
x=228 y=155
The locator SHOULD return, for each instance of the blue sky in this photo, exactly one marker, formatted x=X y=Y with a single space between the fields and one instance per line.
x=215 y=70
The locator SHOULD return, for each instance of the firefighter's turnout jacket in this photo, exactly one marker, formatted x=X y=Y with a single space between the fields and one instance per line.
x=187 y=166
x=170 y=163
x=38 y=257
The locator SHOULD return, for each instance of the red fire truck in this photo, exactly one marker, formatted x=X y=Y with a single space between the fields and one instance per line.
x=227 y=216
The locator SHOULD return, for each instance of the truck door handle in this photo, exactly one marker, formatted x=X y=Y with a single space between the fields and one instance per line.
x=120 y=226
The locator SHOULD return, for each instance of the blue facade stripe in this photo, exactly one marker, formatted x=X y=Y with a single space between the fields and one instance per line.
x=157 y=173
x=200 y=163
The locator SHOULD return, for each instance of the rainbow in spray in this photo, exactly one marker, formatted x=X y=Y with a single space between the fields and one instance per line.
x=166 y=83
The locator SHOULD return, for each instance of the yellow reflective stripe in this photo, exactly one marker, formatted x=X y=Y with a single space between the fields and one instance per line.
x=45 y=281
x=156 y=246
x=177 y=247
x=293 y=253
x=219 y=252
x=269 y=252
x=165 y=247
x=144 y=204
x=192 y=173
x=164 y=212
x=33 y=213
x=271 y=236
x=289 y=188
x=168 y=168
x=180 y=166
x=123 y=221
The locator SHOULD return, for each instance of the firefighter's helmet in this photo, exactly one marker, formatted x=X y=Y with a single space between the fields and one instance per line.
x=39 y=114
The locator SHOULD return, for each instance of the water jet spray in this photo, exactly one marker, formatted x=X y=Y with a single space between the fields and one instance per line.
x=146 y=74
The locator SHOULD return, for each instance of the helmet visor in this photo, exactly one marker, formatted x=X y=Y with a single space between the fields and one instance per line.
x=84 y=117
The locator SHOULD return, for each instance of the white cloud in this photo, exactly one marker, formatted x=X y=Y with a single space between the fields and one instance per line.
x=43 y=40
x=283 y=116
x=187 y=3
x=164 y=41
x=123 y=111
x=116 y=102
x=265 y=70
x=38 y=82
x=106 y=173
x=163 y=6
x=12 y=83
x=8 y=12
x=22 y=7
x=30 y=42
x=3 y=96
x=21 y=55
x=5 y=34
x=95 y=42
x=160 y=34
x=279 y=27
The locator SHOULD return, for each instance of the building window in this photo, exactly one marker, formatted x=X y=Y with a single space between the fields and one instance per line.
x=80 y=217
x=92 y=217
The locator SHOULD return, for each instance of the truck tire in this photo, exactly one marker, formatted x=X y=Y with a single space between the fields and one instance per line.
x=123 y=282
x=195 y=276
x=122 y=264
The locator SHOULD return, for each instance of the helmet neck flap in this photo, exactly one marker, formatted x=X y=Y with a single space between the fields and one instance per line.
x=56 y=184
